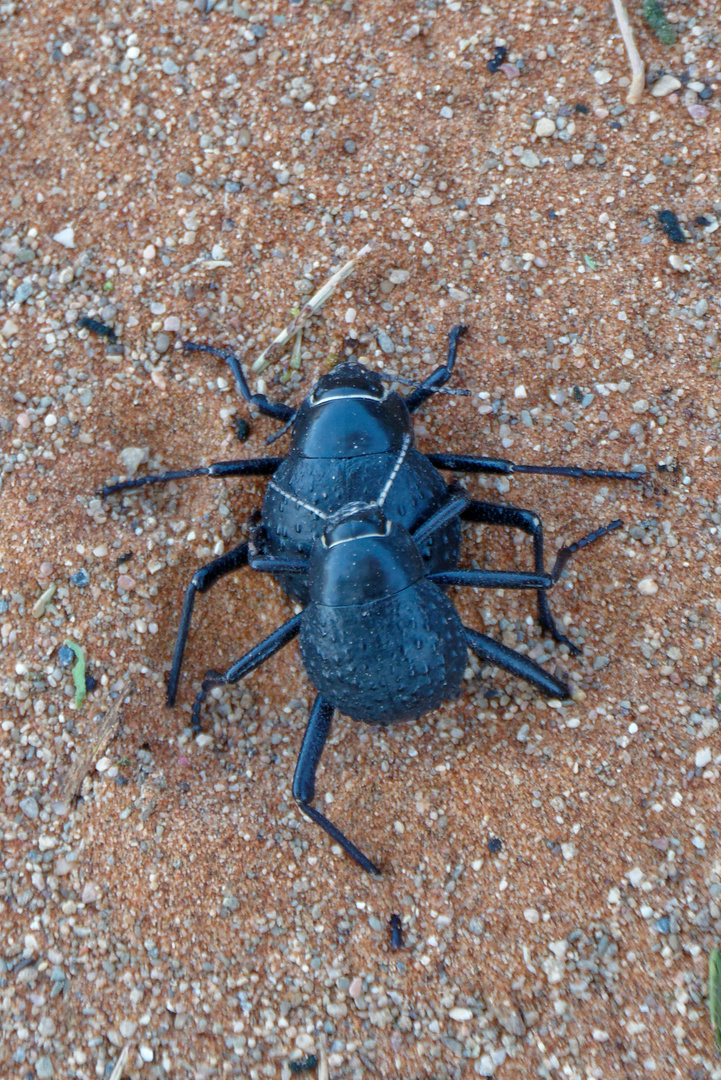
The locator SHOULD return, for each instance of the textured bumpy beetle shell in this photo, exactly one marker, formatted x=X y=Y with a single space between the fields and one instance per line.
x=387 y=660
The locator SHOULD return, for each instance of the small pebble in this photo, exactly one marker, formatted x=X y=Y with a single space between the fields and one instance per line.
x=125 y=582
x=81 y=578
x=384 y=342
x=29 y=807
x=665 y=86
x=66 y=656
x=494 y=845
x=529 y=159
x=647 y=587
x=133 y=456
x=66 y=237
x=602 y=76
x=545 y=127
x=677 y=263
x=703 y=757
x=43 y=600
x=461 y=1014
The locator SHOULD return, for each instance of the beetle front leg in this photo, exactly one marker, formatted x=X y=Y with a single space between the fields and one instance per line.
x=252 y=659
x=314 y=740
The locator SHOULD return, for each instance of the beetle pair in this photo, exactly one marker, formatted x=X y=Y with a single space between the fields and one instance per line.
x=361 y=528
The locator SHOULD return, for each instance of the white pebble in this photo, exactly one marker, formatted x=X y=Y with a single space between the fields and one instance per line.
x=647 y=587
x=350 y=315
x=149 y=253
x=545 y=127
x=665 y=86
x=602 y=77
x=520 y=391
x=146 y=1053
x=103 y=765
x=460 y=1014
x=635 y=876
x=66 y=237
x=703 y=757
x=428 y=247
x=531 y=915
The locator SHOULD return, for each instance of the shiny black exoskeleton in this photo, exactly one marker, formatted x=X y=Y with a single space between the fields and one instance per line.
x=363 y=530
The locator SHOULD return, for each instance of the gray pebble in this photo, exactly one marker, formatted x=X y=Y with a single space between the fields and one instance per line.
x=384 y=343
x=475 y=927
x=183 y=179
x=530 y=160
x=44 y=1068
x=30 y=807
x=80 y=578
x=162 y=343
x=282 y=177
x=22 y=292
x=375 y=923
x=25 y=255
x=169 y=67
x=66 y=656
x=349 y=146
x=701 y=308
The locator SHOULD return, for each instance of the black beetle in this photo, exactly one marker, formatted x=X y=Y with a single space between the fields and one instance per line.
x=361 y=528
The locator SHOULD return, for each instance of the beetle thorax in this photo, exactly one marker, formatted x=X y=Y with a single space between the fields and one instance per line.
x=350 y=414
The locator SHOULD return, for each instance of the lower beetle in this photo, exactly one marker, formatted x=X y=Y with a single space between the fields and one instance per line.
x=361 y=527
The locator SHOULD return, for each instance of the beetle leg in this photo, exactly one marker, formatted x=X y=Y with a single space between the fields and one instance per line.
x=486 y=648
x=515 y=518
x=438 y=377
x=244 y=467
x=252 y=659
x=314 y=740
x=269 y=408
x=202 y=580
x=452 y=509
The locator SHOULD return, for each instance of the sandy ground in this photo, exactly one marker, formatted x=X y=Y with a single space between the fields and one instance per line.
x=180 y=174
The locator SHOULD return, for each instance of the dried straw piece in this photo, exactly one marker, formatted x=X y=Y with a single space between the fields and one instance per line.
x=312 y=307
x=107 y=728
x=638 y=72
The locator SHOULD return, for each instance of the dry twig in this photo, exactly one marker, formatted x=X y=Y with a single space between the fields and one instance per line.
x=107 y=727
x=312 y=307
x=638 y=72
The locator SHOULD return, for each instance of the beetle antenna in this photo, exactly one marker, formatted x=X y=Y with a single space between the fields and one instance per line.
x=388 y=376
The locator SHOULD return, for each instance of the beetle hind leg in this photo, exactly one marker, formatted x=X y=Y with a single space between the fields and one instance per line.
x=314 y=740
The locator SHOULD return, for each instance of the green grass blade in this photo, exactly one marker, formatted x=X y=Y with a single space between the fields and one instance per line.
x=78 y=673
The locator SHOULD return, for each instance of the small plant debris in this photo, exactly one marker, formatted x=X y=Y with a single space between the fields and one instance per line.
x=671 y=226
x=78 y=673
x=655 y=18
x=124 y=558
x=714 y=993
x=97 y=327
x=396 y=932
x=304 y=1065
x=498 y=58
x=589 y=262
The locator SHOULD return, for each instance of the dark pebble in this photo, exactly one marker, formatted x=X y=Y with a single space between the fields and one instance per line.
x=671 y=226
x=66 y=656
x=702 y=221
x=498 y=58
x=494 y=845
x=662 y=925
x=124 y=558
x=396 y=932
x=304 y=1065
x=91 y=684
x=581 y=108
x=242 y=429
x=80 y=578
x=706 y=94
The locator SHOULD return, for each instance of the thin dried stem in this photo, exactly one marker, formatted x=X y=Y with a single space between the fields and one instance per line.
x=312 y=307
x=638 y=72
